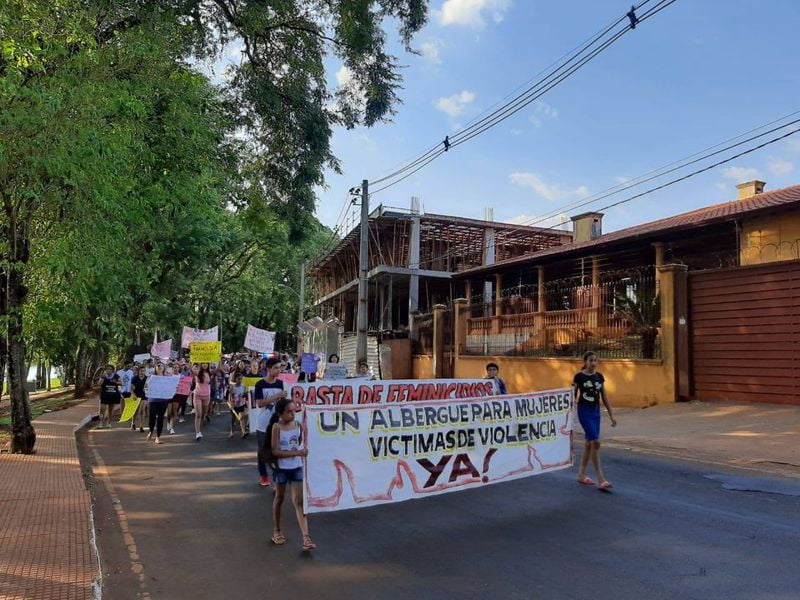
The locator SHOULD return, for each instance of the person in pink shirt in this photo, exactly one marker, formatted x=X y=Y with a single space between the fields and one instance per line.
x=202 y=398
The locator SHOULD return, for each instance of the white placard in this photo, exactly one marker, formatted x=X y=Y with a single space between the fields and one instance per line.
x=162 y=387
x=140 y=358
x=259 y=340
x=199 y=335
x=335 y=371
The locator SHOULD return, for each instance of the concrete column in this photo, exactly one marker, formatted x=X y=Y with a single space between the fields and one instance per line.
x=468 y=292
x=459 y=326
x=659 y=248
x=413 y=263
x=498 y=295
x=438 y=340
x=390 y=307
x=489 y=254
x=670 y=322
x=540 y=300
x=594 y=315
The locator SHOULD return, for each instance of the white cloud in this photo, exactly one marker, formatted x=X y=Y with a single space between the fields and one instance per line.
x=779 y=166
x=740 y=174
x=430 y=50
x=344 y=76
x=471 y=12
x=454 y=105
x=543 y=110
x=559 y=221
x=621 y=180
x=548 y=191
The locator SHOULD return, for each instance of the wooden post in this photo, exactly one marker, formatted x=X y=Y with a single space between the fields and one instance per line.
x=459 y=327
x=594 y=315
x=438 y=340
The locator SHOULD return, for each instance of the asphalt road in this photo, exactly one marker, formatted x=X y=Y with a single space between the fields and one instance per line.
x=187 y=520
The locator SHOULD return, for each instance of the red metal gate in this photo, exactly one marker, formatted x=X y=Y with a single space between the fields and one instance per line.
x=745 y=333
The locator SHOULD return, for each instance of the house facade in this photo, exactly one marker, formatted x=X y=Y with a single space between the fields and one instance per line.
x=700 y=305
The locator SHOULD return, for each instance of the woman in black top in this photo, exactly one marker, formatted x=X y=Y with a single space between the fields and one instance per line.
x=589 y=391
x=110 y=396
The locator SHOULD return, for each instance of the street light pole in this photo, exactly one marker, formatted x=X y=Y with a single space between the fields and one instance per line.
x=300 y=307
x=363 y=262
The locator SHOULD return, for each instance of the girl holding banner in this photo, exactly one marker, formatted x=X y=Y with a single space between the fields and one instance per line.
x=287 y=452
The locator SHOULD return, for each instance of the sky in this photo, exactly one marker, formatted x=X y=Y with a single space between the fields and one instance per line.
x=696 y=74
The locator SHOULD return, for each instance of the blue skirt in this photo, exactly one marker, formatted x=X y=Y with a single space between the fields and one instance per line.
x=589 y=418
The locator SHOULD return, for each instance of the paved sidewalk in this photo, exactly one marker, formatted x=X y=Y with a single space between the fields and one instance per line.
x=762 y=437
x=46 y=549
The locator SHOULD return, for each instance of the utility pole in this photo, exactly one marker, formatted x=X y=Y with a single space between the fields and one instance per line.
x=363 y=265
x=301 y=301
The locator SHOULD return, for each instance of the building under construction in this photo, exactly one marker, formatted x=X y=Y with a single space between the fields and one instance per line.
x=412 y=258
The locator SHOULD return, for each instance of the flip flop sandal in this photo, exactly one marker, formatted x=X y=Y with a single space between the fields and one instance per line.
x=586 y=481
x=278 y=539
x=308 y=543
x=605 y=485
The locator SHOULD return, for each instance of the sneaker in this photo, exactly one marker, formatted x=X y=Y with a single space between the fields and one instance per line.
x=133 y=427
x=150 y=435
x=198 y=437
x=171 y=431
x=141 y=429
x=263 y=481
x=181 y=420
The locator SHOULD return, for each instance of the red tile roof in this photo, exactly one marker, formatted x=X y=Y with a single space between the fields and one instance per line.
x=718 y=213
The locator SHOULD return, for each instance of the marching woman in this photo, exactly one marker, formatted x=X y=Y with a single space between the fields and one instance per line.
x=202 y=398
x=110 y=396
x=138 y=384
x=157 y=407
x=287 y=449
x=589 y=390
x=237 y=399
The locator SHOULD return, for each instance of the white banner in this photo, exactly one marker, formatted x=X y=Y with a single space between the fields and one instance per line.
x=199 y=335
x=162 y=387
x=140 y=358
x=366 y=455
x=259 y=340
x=362 y=391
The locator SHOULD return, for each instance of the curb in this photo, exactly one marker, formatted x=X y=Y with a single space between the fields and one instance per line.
x=97 y=584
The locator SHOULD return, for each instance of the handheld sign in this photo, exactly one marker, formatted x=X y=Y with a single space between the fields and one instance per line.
x=162 y=387
x=259 y=340
x=308 y=363
x=205 y=352
x=131 y=406
x=335 y=371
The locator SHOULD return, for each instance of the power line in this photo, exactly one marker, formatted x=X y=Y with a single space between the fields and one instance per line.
x=527 y=97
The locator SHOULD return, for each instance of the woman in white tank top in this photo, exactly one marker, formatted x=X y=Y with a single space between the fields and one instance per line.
x=288 y=451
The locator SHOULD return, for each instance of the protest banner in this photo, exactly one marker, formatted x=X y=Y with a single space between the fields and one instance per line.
x=162 y=387
x=259 y=340
x=140 y=358
x=363 y=391
x=288 y=377
x=162 y=350
x=366 y=455
x=198 y=335
x=334 y=371
x=308 y=362
x=184 y=385
x=205 y=352
x=131 y=406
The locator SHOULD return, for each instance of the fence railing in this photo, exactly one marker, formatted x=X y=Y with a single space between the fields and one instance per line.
x=616 y=319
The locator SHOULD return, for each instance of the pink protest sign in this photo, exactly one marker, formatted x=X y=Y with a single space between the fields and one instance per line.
x=288 y=377
x=184 y=385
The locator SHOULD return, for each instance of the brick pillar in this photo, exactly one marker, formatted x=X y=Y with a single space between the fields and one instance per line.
x=668 y=276
x=438 y=340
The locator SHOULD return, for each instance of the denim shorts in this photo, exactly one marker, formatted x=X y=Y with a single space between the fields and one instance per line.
x=284 y=476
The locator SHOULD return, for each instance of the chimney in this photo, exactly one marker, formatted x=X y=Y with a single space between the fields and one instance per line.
x=587 y=227
x=750 y=188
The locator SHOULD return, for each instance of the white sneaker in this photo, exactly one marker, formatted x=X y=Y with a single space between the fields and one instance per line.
x=181 y=420
x=150 y=435
x=172 y=431
x=198 y=437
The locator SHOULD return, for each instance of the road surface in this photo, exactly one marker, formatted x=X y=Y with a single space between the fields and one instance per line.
x=187 y=520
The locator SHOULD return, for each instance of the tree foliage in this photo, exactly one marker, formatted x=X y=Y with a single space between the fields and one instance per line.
x=138 y=195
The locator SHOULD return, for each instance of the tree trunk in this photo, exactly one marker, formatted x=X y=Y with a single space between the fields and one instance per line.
x=81 y=358
x=23 y=436
x=47 y=366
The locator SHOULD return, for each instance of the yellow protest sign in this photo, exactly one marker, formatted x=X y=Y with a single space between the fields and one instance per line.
x=131 y=406
x=205 y=352
x=250 y=382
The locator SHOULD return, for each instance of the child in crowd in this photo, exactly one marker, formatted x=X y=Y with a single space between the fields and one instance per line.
x=492 y=372
x=237 y=400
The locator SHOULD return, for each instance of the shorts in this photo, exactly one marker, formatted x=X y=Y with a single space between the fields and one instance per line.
x=284 y=476
x=116 y=400
x=589 y=418
x=126 y=395
x=240 y=409
x=180 y=399
x=204 y=400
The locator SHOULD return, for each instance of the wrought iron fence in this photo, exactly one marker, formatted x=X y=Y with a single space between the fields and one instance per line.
x=616 y=319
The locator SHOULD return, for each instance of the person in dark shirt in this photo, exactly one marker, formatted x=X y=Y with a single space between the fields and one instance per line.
x=138 y=383
x=110 y=396
x=589 y=385
x=492 y=372
x=266 y=393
